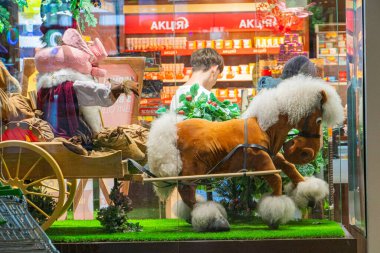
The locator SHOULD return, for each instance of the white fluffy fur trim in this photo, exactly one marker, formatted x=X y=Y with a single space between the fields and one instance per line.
x=183 y=211
x=163 y=155
x=276 y=210
x=48 y=80
x=209 y=216
x=312 y=188
x=288 y=188
x=91 y=114
x=295 y=97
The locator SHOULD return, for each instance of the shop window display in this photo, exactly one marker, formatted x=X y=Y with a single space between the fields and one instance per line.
x=104 y=111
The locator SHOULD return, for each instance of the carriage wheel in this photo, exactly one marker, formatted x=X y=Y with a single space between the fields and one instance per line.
x=71 y=188
x=16 y=174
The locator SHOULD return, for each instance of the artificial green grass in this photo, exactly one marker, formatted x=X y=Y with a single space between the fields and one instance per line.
x=176 y=230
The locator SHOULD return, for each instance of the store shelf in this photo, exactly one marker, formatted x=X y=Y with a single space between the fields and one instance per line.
x=234 y=51
x=220 y=84
x=337 y=83
x=335 y=64
x=335 y=55
x=237 y=78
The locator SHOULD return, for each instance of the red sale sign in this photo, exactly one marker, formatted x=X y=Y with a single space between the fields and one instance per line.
x=166 y=23
x=203 y=22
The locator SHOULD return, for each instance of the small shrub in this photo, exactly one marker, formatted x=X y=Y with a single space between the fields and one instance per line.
x=114 y=217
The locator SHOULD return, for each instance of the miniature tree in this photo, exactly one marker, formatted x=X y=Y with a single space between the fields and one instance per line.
x=114 y=217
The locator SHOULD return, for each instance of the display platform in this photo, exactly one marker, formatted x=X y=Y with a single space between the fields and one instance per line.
x=171 y=235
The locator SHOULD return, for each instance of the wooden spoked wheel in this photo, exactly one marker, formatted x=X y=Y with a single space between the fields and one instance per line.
x=71 y=188
x=35 y=172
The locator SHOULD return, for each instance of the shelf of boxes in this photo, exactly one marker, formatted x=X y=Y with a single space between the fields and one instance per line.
x=335 y=55
x=170 y=46
x=233 y=51
x=340 y=83
x=235 y=78
x=178 y=73
x=331 y=45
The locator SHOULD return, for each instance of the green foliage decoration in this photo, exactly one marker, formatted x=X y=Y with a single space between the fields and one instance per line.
x=76 y=6
x=206 y=107
x=4 y=14
x=4 y=19
x=114 y=217
x=317 y=17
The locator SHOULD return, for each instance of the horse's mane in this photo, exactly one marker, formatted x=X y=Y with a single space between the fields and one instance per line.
x=295 y=97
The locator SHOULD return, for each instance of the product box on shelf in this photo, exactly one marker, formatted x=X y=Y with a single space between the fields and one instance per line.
x=269 y=42
x=291 y=47
x=201 y=44
x=210 y=43
x=148 y=111
x=228 y=44
x=237 y=44
x=191 y=45
x=219 y=44
x=247 y=43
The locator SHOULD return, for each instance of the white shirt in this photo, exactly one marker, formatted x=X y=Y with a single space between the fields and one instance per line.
x=183 y=90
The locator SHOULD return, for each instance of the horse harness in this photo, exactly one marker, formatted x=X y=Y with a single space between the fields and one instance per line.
x=245 y=147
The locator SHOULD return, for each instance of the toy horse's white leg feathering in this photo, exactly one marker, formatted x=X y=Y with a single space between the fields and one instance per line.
x=183 y=211
x=312 y=189
x=276 y=210
x=163 y=155
x=209 y=216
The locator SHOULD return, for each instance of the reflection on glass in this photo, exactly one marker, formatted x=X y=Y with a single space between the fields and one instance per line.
x=356 y=115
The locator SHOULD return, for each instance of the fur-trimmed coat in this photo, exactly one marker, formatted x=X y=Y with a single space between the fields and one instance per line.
x=79 y=95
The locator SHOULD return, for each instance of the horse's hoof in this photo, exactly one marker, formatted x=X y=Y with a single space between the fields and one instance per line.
x=209 y=217
x=219 y=225
x=309 y=192
x=276 y=210
x=273 y=226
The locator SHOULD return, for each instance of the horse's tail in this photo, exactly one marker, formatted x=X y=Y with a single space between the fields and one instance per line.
x=163 y=155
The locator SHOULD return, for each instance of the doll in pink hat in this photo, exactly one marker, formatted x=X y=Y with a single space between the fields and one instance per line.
x=69 y=94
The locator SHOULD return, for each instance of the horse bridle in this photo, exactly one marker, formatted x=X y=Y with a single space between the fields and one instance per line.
x=304 y=132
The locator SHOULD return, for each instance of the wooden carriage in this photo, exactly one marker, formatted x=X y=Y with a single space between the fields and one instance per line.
x=31 y=166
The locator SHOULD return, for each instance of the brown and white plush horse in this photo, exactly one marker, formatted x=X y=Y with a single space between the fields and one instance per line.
x=194 y=146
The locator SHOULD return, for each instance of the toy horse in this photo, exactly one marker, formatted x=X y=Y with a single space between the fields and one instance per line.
x=194 y=146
